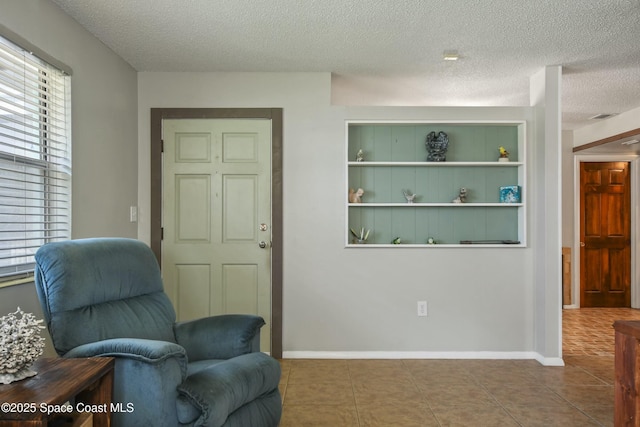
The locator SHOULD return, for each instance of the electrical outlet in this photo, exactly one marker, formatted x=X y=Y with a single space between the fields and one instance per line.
x=422 y=308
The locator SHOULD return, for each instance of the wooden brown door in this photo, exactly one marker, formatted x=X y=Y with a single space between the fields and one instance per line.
x=605 y=234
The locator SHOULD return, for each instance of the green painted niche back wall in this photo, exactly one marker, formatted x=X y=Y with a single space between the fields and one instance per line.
x=406 y=143
x=433 y=184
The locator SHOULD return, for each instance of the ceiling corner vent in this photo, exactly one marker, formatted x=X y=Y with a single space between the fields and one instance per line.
x=603 y=116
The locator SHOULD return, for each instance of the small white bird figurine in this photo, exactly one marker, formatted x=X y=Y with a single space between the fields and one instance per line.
x=407 y=195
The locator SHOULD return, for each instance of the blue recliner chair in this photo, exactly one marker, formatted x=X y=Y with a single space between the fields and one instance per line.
x=104 y=297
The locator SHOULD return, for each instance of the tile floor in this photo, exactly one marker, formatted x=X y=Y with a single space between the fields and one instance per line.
x=589 y=331
x=403 y=393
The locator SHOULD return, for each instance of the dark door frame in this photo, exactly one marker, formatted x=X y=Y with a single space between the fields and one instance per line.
x=273 y=114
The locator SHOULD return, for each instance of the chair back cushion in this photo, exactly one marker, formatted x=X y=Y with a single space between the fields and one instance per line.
x=101 y=288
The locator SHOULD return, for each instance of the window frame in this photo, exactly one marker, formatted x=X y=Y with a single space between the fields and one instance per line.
x=37 y=156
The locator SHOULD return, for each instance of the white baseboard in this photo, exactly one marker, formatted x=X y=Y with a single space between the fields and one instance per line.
x=550 y=361
x=520 y=355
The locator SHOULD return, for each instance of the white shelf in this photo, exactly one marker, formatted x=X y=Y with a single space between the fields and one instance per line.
x=416 y=205
x=436 y=164
x=438 y=245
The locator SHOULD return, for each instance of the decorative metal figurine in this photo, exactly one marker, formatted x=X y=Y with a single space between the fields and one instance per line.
x=462 y=196
x=437 y=146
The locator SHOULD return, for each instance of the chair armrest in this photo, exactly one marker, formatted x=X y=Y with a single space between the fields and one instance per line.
x=147 y=351
x=219 y=337
x=210 y=395
x=146 y=375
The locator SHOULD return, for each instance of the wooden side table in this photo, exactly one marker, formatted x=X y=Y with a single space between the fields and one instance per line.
x=627 y=382
x=86 y=382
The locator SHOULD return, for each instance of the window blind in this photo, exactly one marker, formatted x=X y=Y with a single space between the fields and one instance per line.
x=35 y=157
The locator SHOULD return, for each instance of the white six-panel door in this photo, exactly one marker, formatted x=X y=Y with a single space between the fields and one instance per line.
x=216 y=256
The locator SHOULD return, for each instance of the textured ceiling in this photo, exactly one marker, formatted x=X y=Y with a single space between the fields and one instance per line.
x=390 y=51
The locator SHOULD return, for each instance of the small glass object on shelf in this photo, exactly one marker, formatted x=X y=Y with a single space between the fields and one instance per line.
x=360 y=156
x=360 y=238
x=510 y=194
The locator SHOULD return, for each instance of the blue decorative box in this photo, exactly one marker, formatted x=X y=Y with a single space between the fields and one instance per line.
x=510 y=194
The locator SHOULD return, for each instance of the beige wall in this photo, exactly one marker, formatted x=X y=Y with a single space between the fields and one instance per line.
x=567 y=188
x=104 y=126
x=340 y=301
x=103 y=91
x=605 y=128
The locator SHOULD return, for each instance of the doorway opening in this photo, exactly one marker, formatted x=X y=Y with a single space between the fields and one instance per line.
x=612 y=149
x=577 y=322
x=275 y=116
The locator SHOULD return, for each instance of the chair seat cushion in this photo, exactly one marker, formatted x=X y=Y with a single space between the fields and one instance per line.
x=214 y=392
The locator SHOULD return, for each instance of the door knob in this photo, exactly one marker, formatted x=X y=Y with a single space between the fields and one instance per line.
x=582 y=244
x=262 y=244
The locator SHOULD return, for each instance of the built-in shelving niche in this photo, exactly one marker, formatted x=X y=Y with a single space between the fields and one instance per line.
x=395 y=160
